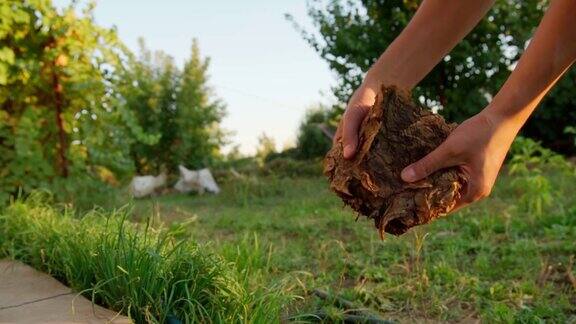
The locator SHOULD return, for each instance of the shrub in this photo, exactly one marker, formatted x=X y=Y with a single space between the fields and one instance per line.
x=311 y=140
x=293 y=168
x=83 y=193
x=291 y=153
x=528 y=162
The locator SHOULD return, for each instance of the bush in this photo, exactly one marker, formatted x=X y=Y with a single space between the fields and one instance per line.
x=528 y=163
x=84 y=193
x=291 y=153
x=145 y=273
x=277 y=164
x=311 y=140
x=293 y=168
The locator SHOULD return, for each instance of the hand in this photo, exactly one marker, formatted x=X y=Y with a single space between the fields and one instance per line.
x=478 y=146
x=360 y=103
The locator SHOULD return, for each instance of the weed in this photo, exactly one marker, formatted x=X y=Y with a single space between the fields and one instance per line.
x=528 y=163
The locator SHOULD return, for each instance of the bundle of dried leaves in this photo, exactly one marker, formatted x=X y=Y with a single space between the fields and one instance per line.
x=395 y=134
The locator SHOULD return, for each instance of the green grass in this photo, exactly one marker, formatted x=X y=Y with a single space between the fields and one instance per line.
x=505 y=259
x=257 y=252
x=149 y=274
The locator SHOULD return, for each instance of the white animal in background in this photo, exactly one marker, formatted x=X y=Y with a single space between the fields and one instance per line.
x=196 y=180
x=143 y=186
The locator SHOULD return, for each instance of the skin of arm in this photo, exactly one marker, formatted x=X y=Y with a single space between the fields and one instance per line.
x=479 y=145
x=435 y=29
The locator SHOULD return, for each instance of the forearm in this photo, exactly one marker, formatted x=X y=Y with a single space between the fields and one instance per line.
x=435 y=29
x=551 y=53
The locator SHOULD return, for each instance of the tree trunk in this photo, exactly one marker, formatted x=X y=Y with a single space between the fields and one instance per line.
x=59 y=105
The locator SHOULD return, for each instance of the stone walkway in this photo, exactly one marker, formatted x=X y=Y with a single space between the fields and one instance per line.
x=30 y=296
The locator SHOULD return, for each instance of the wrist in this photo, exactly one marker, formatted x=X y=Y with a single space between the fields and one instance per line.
x=502 y=127
x=388 y=70
x=500 y=116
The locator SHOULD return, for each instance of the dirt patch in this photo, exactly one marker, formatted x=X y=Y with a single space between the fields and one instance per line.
x=396 y=133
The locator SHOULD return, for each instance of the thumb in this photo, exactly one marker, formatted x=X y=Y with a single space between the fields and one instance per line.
x=434 y=161
x=350 y=127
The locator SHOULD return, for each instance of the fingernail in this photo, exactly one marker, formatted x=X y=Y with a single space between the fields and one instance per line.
x=408 y=174
x=348 y=151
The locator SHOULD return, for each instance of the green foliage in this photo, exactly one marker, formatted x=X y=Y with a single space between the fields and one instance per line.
x=291 y=168
x=555 y=114
x=177 y=106
x=61 y=115
x=571 y=131
x=312 y=142
x=140 y=271
x=289 y=153
x=266 y=147
x=351 y=35
x=76 y=104
x=528 y=155
x=529 y=160
x=230 y=168
x=199 y=115
x=85 y=192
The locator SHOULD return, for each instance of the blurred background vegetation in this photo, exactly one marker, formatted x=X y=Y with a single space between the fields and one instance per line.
x=77 y=104
x=351 y=35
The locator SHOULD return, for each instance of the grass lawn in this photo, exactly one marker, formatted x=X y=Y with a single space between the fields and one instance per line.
x=506 y=259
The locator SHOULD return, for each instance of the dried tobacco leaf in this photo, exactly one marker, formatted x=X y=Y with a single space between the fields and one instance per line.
x=395 y=134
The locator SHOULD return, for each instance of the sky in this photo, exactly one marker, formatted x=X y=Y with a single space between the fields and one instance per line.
x=260 y=66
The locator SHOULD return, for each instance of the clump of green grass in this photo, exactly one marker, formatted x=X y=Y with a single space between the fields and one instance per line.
x=136 y=270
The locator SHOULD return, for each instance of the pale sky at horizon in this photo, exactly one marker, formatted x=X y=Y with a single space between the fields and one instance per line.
x=260 y=66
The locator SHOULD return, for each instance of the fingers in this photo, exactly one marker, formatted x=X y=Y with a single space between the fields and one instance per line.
x=441 y=157
x=353 y=118
x=475 y=189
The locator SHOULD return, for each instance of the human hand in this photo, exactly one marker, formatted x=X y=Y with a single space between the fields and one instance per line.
x=478 y=146
x=356 y=110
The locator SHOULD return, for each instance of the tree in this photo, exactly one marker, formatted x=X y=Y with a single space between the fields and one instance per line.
x=199 y=115
x=555 y=115
x=177 y=110
x=78 y=107
x=148 y=89
x=60 y=110
x=351 y=35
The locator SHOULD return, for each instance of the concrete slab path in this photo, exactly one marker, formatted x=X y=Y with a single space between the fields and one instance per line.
x=30 y=296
